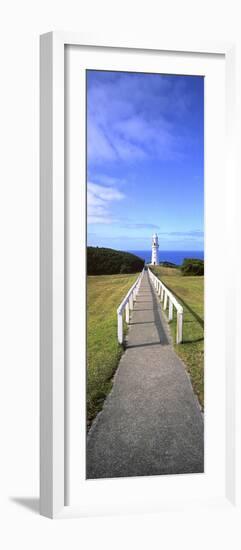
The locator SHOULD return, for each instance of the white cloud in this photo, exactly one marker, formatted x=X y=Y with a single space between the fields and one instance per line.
x=99 y=147
x=108 y=180
x=134 y=225
x=99 y=199
x=192 y=234
x=105 y=193
x=129 y=117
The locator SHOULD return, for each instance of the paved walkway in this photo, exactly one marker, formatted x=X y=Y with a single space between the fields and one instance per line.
x=151 y=423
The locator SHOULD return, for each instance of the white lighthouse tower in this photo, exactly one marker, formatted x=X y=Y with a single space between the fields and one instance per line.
x=154 y=249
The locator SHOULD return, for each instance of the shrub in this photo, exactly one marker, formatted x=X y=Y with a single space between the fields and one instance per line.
x=192 y=266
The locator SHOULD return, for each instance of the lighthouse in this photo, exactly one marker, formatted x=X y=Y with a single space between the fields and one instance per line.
x=154 y=249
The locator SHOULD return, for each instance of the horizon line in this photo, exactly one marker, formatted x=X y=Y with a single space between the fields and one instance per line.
x=148 y=249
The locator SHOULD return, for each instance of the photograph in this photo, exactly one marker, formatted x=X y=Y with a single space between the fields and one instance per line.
x=145 y=274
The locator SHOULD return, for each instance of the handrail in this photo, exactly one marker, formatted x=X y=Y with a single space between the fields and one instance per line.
x=127 y=304
x=165 y=296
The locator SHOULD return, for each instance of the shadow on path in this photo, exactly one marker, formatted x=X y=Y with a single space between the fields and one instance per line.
x=145 y=345
x=158 y=319
x=151 y=423
x=195 y=315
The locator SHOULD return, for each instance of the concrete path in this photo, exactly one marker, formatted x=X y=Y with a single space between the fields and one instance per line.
x=151 y=423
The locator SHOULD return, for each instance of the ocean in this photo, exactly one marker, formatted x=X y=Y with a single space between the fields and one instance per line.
x=173 y=256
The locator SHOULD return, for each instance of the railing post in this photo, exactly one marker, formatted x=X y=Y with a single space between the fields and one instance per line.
x=120 y=327
x=128 y=305
x=127 y=313
x=170 y=312
x=179 y=326
x=167 y=297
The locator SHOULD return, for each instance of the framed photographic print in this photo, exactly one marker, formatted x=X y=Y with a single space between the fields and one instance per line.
x=138 y=393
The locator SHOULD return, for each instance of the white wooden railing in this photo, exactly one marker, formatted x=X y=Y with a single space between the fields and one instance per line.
x=127 y=304
x=168 y=300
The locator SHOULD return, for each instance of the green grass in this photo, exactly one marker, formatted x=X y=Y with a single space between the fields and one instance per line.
x=104 y=294
x=190 y=293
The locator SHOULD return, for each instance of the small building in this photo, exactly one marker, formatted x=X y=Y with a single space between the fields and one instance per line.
x=154 y=250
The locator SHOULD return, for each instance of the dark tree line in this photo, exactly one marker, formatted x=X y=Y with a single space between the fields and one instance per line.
x=106 y=261
x=192 y=267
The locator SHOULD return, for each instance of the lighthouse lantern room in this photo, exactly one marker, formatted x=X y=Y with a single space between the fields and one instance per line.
x=155 y=247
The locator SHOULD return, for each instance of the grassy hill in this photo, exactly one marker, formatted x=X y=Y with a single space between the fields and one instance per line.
x=189 y=291
x=104 y=294
x=106 y=261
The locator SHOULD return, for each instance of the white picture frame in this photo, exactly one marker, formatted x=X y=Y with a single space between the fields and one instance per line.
x=53 y=427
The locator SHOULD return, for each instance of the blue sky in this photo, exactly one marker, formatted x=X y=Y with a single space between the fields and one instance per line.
x=145 y=155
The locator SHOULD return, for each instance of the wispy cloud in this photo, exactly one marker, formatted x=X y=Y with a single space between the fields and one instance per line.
x=164 y=238
x=99 y=200
x=145 y=159
x=130 y=117
x=140 y=226
x=107 y=180
x=196 y=233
